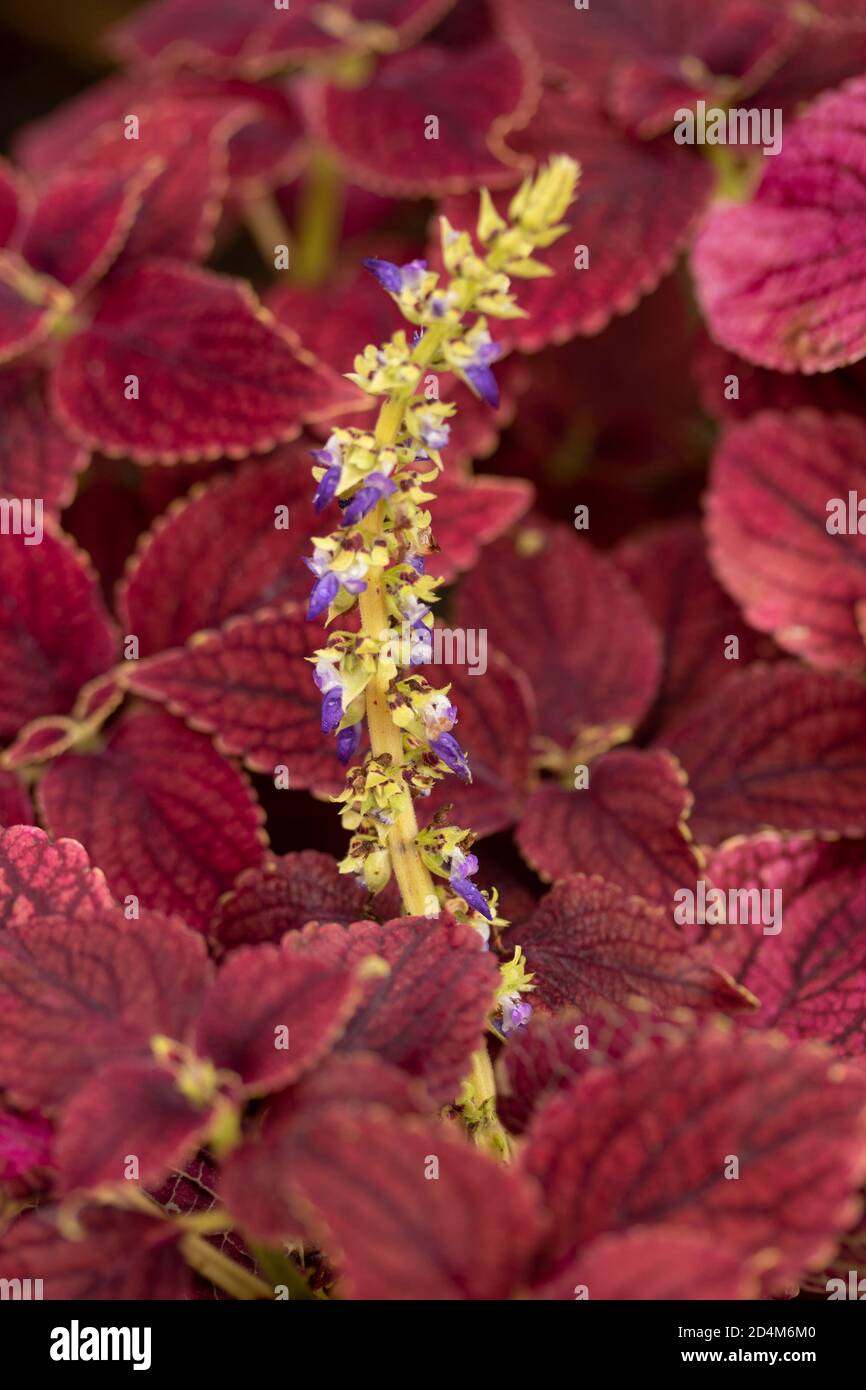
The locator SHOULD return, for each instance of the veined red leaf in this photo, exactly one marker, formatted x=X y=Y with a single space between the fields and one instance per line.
x=120 y=1256
x=428 y=1014
x=777 y=747
x=629 y=824
x=565 y=616
x=283 y=895
x=631 y=235
x=37 y=459
x=250 y=685
x=589 y=943
x=262 y=993
x=161 y=812
x=782 y=280
x=15 y=807
x=220 y=552
x=382 y=130
x=40 y=878
x=392 y=1233
x=778 y=482
x=650 y=1142
x=54 y=631
x=808 y=964
x=212 y=372
x=760 y=389
x=643 y=59
x=469 y=513
x=78 y=994
x=29 y=308
x=358 y=1079
x=668 y=568
x=497 y=721
x=659 y=1262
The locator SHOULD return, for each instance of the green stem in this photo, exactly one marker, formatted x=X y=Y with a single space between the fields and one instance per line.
x=320 y=219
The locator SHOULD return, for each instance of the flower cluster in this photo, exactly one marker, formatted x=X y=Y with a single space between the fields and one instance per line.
x=375 y=559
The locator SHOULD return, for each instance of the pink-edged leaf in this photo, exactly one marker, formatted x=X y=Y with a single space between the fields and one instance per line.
x=778 y=485
x=633 y=236
x=649 y=1142
x=29 y=307
x=782 y=280
x=283 y=895
x=497 y=721
x=186 y=139
x=16 y=205
x=469 y=513
x=214 y=374
x=777 y=748
x=54 y=631
x=248 y=37
x=251 y=686
x=40 y=740
x=262 y=993
x=668 y=568
x=589 y=943
x=40 y=878
x=221 y=552
x=78 y=994
x=660 y=1262
x=162 y=813
x=477 y=95
x=128 y=1109
x=119 y=1256
x=37 y=459
x=82 y=222
x=428 y=1014
x=15 y=805
x=565 y=616
x=391 y=1233
x=629 y=824
x=643 y=59
x=808 y=967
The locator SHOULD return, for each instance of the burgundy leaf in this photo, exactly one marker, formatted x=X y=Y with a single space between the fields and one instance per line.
x=37 y=459
x=15 y=807
x=82 y=222
x=40 y=878
x=283 y=895
x=660 y=1262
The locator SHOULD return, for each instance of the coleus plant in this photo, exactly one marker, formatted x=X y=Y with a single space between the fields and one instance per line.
x=251 y=1071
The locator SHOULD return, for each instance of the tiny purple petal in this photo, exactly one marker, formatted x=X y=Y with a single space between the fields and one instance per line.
x=325 y=590
x=347 y=742
x=374 y=489
x=327 y=487
x=465 y=888
x=396 y=278
x=448 y=749
x=332 y=710
x=485 y=384
x=515 y=1015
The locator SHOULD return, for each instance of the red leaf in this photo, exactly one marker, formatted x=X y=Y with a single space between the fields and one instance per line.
x=82 y=222
x=39 y=878
x=261 y=990
x=79 y=994
x=469 y=513
x=161 y=812
x=768 y=512
x=214 y=375
x=428 y=1014
x=28 y=309
x=633 y=234
x=382 y=129
x=54 y=631
x=668 y=568
x=629 y=825
x=359 y=1079
x=219 y=552
x=809 y=970
x=644 y=58
x=565 y=616
x=120 y=1256
x=127 y=1110
x=15 y=807
x=660 y=1262
x=648 y=1142
x=760 y=389
x=36 y=458
x=283 y=895
x=777 y=747
x=588 y=943
x=497 y=721
x=15 y=205
x=782 y=280
x=250 y=685
x=393 y=1233
x=25 y=1145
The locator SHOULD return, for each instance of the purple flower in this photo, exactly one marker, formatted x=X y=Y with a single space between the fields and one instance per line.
x=377 y=486
x=325 y=590
x=327 y=487
x=448 y=749
x=327 y=584
x=332 y=710
x=463 y=866
x=347 y=742
x=397 y=278
x=516 y=1013
x=478 y=372
x=434 y=432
